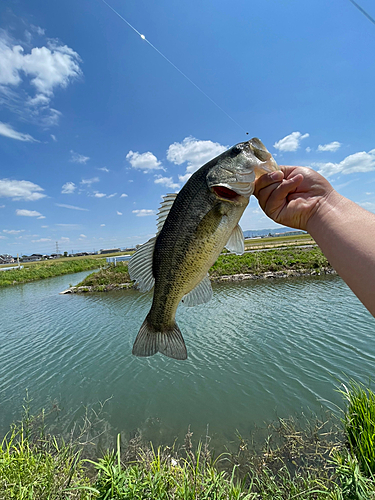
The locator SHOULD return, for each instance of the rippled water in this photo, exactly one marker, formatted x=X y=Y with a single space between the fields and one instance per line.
x=257 y=351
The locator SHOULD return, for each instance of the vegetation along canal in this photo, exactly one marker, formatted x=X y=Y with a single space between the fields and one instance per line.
x=259 y=350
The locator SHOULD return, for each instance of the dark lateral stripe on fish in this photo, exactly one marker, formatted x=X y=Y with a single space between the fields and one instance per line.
x=170 y=343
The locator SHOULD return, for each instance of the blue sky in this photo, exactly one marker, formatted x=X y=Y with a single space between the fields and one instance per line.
x=96 y=126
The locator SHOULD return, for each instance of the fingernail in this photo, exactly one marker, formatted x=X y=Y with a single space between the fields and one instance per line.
x=277 y=175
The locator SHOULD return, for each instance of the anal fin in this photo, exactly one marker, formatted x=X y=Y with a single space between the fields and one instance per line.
x=201 y=294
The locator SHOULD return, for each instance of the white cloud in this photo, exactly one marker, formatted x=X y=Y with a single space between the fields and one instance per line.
x=144 y=161
x=29 y=213
x=143 y=212
x=77 y=158
x=102 y=225
x=290 y=142
x=332 y=146
x=2 y=206
x=45 y=68
x=8 y=131
x=368 y=205
x=357 y=162
x=97 y=194
x=53 y=138
x=13 y=231
x=83 y=236
x=119 y=213
x=20 y=190
x=38 y=100
x=41 y=240
x=70 y=226
x=71 y=207
x=40 y=31
x=104 y=169
x=167 y=182
x=124 y=195
x=308 y=149
x=195 y=152
x=68 y=188
x=88 y=182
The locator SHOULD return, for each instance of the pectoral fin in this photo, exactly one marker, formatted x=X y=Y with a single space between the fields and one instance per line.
x=236 y=243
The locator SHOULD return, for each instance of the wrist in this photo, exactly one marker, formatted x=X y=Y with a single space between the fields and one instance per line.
x=327 y=211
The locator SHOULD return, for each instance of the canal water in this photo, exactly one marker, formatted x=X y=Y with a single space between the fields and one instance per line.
x=258 y=351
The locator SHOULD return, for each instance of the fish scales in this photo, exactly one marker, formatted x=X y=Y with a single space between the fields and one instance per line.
x=179 y=257
x=202 y=220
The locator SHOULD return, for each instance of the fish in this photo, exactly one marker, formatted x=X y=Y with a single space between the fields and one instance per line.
x=193 y=227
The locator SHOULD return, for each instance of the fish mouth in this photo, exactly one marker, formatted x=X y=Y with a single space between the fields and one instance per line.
x=225 y=193
x=233 y=191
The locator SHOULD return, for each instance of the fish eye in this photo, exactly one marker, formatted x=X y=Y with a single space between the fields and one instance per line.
x=236 y=150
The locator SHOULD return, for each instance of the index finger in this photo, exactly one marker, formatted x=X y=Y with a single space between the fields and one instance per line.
x=266 y=180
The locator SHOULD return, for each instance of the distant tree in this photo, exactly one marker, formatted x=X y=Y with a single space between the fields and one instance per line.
x=65 y=254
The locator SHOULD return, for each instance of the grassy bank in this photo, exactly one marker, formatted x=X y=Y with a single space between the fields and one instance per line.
x=48 y=269
x=280 y=259
x=308 y=459
x=254 y=264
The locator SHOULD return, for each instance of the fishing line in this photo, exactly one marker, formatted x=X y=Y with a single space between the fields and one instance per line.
x=363 y=11
x=174 y=66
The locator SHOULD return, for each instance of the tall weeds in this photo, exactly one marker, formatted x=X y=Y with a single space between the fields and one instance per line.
x=359 y=425
x=309 y=459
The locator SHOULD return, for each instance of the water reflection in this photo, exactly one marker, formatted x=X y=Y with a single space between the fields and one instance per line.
x=258 y=350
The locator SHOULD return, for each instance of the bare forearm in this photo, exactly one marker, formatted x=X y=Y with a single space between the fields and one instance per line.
x=346 y=234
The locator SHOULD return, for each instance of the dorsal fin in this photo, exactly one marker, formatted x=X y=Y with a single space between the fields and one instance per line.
x=140 y=266
x=164 y=209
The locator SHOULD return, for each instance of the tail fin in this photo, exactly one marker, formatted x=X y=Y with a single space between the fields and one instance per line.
x=169 y=342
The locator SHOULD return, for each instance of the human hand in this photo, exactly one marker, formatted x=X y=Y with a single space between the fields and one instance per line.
x=292 y=195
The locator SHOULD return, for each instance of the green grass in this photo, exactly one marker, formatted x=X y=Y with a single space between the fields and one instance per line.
x=297 y=259
x=48 y=269
x=272 y=241
x=359 y=425
x=257 y=263
x=300 y=459
x=158 y=475
x=110 y=274
x=40 y=467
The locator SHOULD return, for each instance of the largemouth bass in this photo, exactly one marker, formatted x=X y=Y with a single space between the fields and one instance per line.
x=193 y=228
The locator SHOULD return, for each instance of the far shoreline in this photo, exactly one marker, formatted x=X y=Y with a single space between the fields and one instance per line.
x=270 y=275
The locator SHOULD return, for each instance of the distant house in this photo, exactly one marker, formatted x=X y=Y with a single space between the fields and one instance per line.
x=289 y=233
x=6 y=259
x=32 y=258
x=110 y=250
x=119 y=258
x=55 y=255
